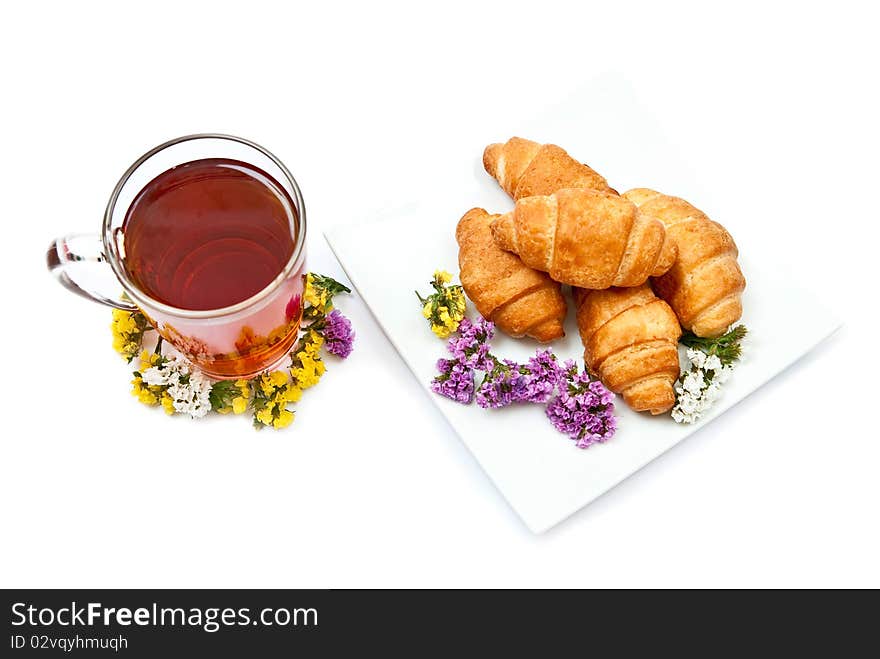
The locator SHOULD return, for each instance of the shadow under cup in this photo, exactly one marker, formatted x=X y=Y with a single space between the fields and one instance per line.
x=206 y=234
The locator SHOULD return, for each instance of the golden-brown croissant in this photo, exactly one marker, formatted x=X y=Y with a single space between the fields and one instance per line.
x=705 y=284
x=630 y=339
x=586 y=238
x=525 y=168
x=519 y=300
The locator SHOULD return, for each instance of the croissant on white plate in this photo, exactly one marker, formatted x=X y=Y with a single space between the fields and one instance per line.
x=586 y=238
x=630 y=339
x=704 y=286
x=520 y=301
x=525 y=168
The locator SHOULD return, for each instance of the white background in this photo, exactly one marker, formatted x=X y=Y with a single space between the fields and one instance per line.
x=775 y=103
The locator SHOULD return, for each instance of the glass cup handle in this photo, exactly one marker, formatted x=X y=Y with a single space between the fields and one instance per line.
x=69 y=251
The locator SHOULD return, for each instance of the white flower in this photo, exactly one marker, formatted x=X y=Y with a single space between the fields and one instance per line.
x=713 y=391
x=693 y=382
x=712 y=363
x=696 y=357
x=680 y=416
x=193 y=396
x=687 y=405
x=695 y=391
x=155 y=376
x=188 y=388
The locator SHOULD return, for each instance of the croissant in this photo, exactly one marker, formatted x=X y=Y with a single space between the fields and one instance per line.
x=525 y=169
x=705 y=284
x=630 y=339
x=519 y=300
x=586 y=238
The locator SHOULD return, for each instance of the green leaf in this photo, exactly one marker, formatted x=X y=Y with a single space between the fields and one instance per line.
x=222 y=394
x=329 y=284
x=728 y=347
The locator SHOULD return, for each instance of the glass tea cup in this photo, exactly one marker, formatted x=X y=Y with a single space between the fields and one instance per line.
x=239 y=340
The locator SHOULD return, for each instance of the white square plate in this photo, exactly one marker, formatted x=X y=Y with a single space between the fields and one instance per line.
x=540 y=472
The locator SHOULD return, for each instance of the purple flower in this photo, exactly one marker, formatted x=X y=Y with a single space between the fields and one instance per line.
x=338 y=335
x=456 y=381
x=542 y=375
x=602 y=394
x=577 y=405
x=471 y=346
x=503 y=385
x=584 y=409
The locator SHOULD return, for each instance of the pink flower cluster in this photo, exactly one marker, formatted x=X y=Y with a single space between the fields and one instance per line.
x=583 y=408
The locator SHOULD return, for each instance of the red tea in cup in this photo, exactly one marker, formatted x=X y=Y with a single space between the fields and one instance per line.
x=208 y=234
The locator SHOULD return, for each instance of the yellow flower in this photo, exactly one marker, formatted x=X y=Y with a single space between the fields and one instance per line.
x=285 y=418
x=456 y=302
x=266 y=384
x=142 y=392
x=148 y=359
x=269 y=382
x=239 y=403
x=128 y=330
x=123 y=321
x=278 y=378
x=314 y=296
x=445 y=307
x=445 y=323
x=441 y=331
x=308 y=367
x=304 y=378
x=264 y=416
x=292 y=394
x=309 y=373
x=312 y=343
x=168 y=404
